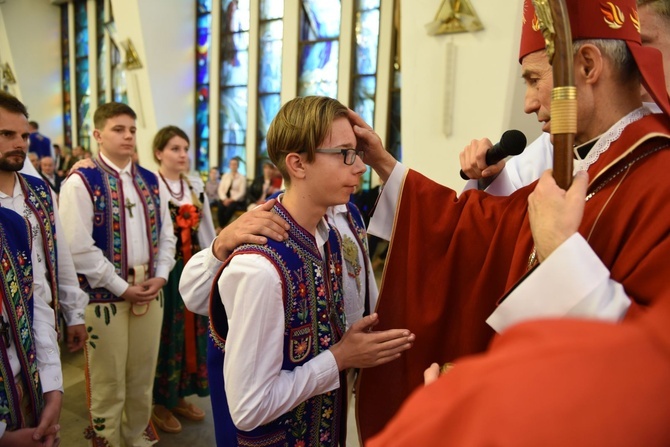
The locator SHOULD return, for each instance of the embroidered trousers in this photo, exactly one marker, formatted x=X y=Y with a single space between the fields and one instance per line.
x=121 y=358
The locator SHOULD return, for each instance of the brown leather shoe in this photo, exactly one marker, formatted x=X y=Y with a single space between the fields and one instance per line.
x=169 y=424
x=190 y=412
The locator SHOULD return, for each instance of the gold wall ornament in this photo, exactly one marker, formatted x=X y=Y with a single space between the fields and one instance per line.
x=454 y=16
x=132 y=61
x=8 y=75
x=543 y=13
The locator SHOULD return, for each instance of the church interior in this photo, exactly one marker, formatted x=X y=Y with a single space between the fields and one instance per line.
x=428 y=81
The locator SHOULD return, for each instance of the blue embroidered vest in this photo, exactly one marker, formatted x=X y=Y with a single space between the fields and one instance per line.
x=313 y=322
x=109 y=223
x=38 y=198
x=17 y=297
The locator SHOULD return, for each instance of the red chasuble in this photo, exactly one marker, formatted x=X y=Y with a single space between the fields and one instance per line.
x=451 y=259
x=550 y=383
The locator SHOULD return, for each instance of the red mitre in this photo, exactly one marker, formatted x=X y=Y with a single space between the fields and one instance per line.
x=597 y=19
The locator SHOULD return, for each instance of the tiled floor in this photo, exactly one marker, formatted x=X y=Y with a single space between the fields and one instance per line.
x=74 y=415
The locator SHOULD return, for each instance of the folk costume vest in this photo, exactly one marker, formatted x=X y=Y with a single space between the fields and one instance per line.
x=313 y=322
x=38 y=199
x=17 y=298
x=109 y=225
x=357 y=226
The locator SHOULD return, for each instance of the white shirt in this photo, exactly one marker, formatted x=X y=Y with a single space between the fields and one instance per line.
x=591 y=294
x=238 y=190
x=288 y=389
x=196 y=279
x=72 y=299
x=206 y=232
x=257 y=388
x=76 y=211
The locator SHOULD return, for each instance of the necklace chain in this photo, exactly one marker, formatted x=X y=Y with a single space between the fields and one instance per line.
x=180 y=194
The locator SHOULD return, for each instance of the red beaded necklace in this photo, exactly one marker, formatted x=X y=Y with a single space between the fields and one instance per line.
x=179 y=196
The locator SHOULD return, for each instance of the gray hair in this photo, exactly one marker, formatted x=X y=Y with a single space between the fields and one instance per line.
x=618 y=53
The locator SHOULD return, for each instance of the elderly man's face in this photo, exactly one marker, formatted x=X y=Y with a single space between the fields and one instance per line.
x=47 y=165
x=655 y=32
x=537 y=75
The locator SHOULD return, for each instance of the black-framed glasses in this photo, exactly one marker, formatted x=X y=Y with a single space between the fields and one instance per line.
x=349 y=154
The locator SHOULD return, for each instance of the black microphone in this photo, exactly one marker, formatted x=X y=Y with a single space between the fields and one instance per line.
x=512 y=142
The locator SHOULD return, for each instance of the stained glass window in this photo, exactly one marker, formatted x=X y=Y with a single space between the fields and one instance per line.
x=83 y=93
x=234 y=82
x=65 y=74
x=269 y=71
x=319 y=47
x=102 y=51
x=364 y=76
x=393 y=142
x=203 y=46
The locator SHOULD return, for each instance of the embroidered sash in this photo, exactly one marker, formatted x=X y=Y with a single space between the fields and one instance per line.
x=17 y=298
x=38 y=199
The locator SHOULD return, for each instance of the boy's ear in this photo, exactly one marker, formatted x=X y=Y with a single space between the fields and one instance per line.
x=295 y=165
x=96 y=135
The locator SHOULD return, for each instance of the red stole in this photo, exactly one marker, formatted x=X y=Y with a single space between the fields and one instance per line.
x=452 y=258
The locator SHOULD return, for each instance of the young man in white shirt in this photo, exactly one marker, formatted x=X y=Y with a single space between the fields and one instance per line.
x=282 y=302
x=121 y=238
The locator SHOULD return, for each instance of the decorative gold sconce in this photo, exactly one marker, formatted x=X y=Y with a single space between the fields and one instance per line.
x=132 y=61
x=454 y=16
x=8 y=75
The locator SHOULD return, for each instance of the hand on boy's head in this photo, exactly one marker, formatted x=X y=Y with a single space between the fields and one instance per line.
x=252 y=227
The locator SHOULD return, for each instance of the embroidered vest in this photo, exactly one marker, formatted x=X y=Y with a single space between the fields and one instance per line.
x=313 y=322
x=17 y=298
x=109 y=224
x=38 y=198
x=357 y=225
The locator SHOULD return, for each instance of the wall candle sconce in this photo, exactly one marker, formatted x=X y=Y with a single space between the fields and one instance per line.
x=454 y=16
x=132 y=61
x=8 y=75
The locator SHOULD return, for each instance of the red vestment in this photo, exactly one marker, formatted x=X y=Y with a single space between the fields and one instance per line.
x=452 y=258
x=550 y=383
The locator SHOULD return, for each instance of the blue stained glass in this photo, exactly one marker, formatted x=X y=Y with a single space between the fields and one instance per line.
x=272 y=9
x=364 y=97
x=318 y=69
x=235 y=68
x=272 y=30
x=234 y=105
x=82 y=43
x=231 y=151
x=202 y=161
x=320 y=19
x=204 y=6
x=367 y=42
x=270 y=67
x=364 y=5
x=269 y=105
x=234 y=16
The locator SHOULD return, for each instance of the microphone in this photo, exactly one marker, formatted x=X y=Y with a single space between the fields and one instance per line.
x=512 y=142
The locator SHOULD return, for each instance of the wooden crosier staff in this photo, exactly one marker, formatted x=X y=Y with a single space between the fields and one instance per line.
x=555 y=24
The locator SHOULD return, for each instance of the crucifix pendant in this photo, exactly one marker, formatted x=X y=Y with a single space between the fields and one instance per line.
x=129 y=206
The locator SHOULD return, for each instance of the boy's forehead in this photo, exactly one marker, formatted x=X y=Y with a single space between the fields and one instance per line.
x=120 y=120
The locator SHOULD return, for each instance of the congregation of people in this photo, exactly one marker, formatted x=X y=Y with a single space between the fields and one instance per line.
x=514 y=312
